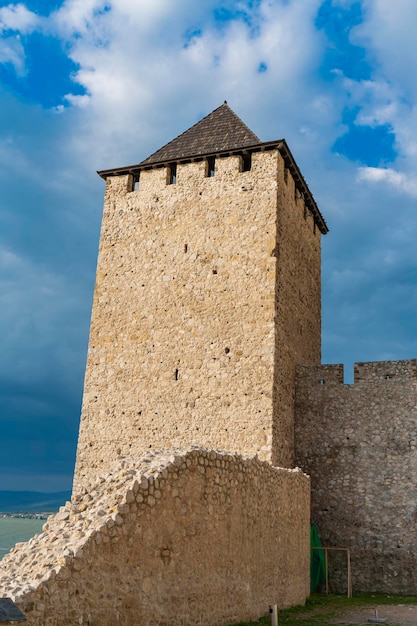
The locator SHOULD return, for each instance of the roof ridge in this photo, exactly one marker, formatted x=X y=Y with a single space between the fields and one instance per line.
x=238 y=118
x=186 y=131
x=220 y=130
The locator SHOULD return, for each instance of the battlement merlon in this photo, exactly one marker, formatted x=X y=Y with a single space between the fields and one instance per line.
x=165 y=166
x=320 y=374
x=364 y=372
x=402 y=371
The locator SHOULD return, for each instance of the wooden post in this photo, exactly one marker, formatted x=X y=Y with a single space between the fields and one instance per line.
x=326 y=561
x=349 y=575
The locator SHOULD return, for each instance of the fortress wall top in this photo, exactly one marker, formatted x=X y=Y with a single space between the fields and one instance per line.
x=310 y=375
x=188 y=173
x=373 y=372
x=386 y=370
x=359 y=443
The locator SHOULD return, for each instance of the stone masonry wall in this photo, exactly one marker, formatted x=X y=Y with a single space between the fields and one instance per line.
x=297 y=309
x=207 y=295
x=358 y=443
x=185 y=537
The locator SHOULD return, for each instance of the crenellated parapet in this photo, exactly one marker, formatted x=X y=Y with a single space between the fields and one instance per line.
x=359 y=444
x=319 y=375
x=371 y=372
x=395 y=371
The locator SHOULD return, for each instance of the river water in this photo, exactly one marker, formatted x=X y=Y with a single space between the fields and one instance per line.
x=16 y=529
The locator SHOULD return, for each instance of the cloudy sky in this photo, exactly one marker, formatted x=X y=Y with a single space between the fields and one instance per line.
x=90 y=84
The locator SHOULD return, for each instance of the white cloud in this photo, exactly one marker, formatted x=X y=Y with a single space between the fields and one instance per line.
x=12 y=51
x=389 y=34
x=79 y=101
x=142 y=71
x=18 y=18
x=399 y=180
x=378 y=98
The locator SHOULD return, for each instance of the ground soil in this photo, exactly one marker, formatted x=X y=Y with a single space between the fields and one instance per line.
x=395 y=615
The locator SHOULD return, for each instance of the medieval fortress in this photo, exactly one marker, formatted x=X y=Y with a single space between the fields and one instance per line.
x=204 y=394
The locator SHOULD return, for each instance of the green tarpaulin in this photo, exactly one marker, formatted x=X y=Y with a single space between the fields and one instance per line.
x=317 y=561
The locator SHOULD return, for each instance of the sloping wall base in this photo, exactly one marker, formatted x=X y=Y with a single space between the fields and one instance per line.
x=186 y=536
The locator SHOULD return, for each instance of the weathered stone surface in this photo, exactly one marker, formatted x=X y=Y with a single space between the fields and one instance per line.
x=222 y=546
x=207 y=295
x=358 y=442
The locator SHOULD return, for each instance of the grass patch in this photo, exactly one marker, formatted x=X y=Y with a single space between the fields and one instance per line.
x=320 y=609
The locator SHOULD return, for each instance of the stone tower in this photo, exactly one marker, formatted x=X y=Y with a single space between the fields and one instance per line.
x=207 y=296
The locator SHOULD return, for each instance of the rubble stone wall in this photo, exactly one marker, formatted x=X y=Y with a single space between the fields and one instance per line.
x=207 y=294
x=359 y=445
x=187 y=537
x=297 y=309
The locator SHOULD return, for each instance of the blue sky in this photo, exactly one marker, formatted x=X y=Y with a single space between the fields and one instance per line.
x=91 y=84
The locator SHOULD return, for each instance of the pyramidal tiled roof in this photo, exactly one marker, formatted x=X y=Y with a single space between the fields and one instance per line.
x=221 y=130
x=220 y=134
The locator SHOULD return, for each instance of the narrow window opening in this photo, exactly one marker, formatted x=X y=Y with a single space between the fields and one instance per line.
x=387 y=377
x=322 y=381
x=186 y=248
x=246 y=162
x=136 y=182
x=176 y=374
x=211 y=167
x=215 y=271
x=172 y=174
x=227 y=350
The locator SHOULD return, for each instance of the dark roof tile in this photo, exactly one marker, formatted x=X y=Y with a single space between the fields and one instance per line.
x=221 y=133
x=221 y=130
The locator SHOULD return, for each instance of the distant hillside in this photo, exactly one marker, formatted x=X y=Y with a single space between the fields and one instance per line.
x=32 y=501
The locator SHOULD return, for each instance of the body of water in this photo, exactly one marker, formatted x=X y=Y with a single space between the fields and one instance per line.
x=16 y=529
